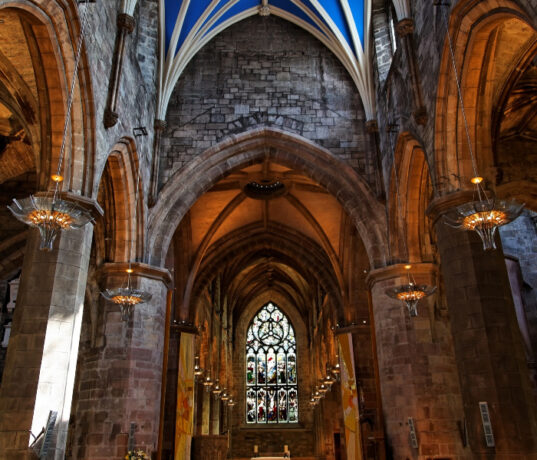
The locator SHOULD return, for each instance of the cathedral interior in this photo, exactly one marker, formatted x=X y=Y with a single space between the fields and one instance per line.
x=235 y=229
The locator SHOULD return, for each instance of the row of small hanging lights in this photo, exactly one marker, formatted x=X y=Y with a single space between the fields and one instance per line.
x=204 y=376
x=324 y=384
x=50 y=213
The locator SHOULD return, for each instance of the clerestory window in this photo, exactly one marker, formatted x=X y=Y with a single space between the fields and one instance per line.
x=271 y=368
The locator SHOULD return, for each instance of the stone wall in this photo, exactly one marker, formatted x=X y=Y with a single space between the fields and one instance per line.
x=242 y=80
x=138 y=90
x=519 y=239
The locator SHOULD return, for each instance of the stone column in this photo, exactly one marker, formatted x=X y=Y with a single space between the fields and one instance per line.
x=488 y=344
x=417 y=371
x=405 y=30
x=160 y=126
x=42 y=355
x=125 y=26
x=120 y=382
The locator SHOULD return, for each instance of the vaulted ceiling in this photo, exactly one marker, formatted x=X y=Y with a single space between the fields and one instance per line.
x=273 y=234
x=341 y=25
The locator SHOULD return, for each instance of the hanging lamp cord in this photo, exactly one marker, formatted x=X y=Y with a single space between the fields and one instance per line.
x=480 y=191
x=71 y=97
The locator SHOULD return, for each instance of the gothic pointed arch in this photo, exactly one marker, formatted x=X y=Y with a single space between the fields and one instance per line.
x=492 y=42
x=120 y=226
x=188 y=184
x=410 y=194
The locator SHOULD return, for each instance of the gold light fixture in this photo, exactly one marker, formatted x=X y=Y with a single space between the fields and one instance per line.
x=225 y=396
x=198 y=371
x=411 y=293
x=485 y=214
x=217 y=391
x=126 y=297
x=208 y=382
x=50 y=214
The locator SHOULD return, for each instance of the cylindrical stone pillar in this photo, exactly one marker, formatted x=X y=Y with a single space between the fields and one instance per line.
x=487 y=340
x=41 y=360
x=417 y=371
x=120 y=383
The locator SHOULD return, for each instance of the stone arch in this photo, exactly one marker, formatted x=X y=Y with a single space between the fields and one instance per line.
x=119 y=227
x=52 y=31
x=188 y=184
x=409 y=199
x=472 y=28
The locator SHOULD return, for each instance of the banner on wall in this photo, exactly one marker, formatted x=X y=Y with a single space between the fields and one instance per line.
x=349 y=398
x=184 y=425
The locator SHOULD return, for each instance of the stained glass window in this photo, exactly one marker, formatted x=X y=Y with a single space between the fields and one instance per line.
x=271 y=368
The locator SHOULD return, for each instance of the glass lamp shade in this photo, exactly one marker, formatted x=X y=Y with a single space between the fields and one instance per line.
x=484 y=217
x=198 y=371
x=410 y=294
x=126 y=298
x=208 y=383
x=49 y=215
x=216 y=389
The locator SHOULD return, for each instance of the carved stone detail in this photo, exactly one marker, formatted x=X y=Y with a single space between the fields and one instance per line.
x=405 y=27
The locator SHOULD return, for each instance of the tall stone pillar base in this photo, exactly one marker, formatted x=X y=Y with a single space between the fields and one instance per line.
x=417 y=371
x=43 y=349
x=487 y=340
x=120 y=382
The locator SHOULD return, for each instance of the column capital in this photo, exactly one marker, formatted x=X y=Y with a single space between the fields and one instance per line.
x=420 y=271
x=125 y=21
x=141 y=270
x=372 y=126
x=160 y=125
x=443 y=204
x=405 y=27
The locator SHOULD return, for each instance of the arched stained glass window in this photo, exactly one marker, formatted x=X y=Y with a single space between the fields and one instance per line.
x=271 y=368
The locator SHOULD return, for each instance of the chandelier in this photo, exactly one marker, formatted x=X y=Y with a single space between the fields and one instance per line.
x=126 y=297
x=49 y=213
x=483 y=215
x=410 y=293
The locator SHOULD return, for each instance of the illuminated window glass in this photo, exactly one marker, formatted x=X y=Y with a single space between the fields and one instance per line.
x=271 y=368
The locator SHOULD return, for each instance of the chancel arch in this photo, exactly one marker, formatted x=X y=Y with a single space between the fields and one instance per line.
x=181 y=191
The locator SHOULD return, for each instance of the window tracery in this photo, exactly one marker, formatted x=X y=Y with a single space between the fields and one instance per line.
x=271 y=368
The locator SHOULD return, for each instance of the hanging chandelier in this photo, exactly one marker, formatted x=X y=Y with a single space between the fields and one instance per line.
x=485 y=214
x=410 y=293
x=216 y=390
x=198 y=370
x=49 y=213
x=126 y=297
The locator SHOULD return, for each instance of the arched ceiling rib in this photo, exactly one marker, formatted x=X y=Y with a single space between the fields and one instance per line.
x=341 y=25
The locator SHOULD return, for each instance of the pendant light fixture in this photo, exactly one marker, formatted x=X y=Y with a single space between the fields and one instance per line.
x=485 y=213
x=409 y=293
x=50 y=213
x=127 y=297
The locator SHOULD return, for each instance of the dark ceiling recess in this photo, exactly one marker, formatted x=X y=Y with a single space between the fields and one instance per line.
x=265 y=189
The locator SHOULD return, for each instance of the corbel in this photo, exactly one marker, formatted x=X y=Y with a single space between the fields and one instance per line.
x=125 y=26
x=405 y=31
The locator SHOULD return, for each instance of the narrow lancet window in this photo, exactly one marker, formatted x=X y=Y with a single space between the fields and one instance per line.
x=271 y=368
